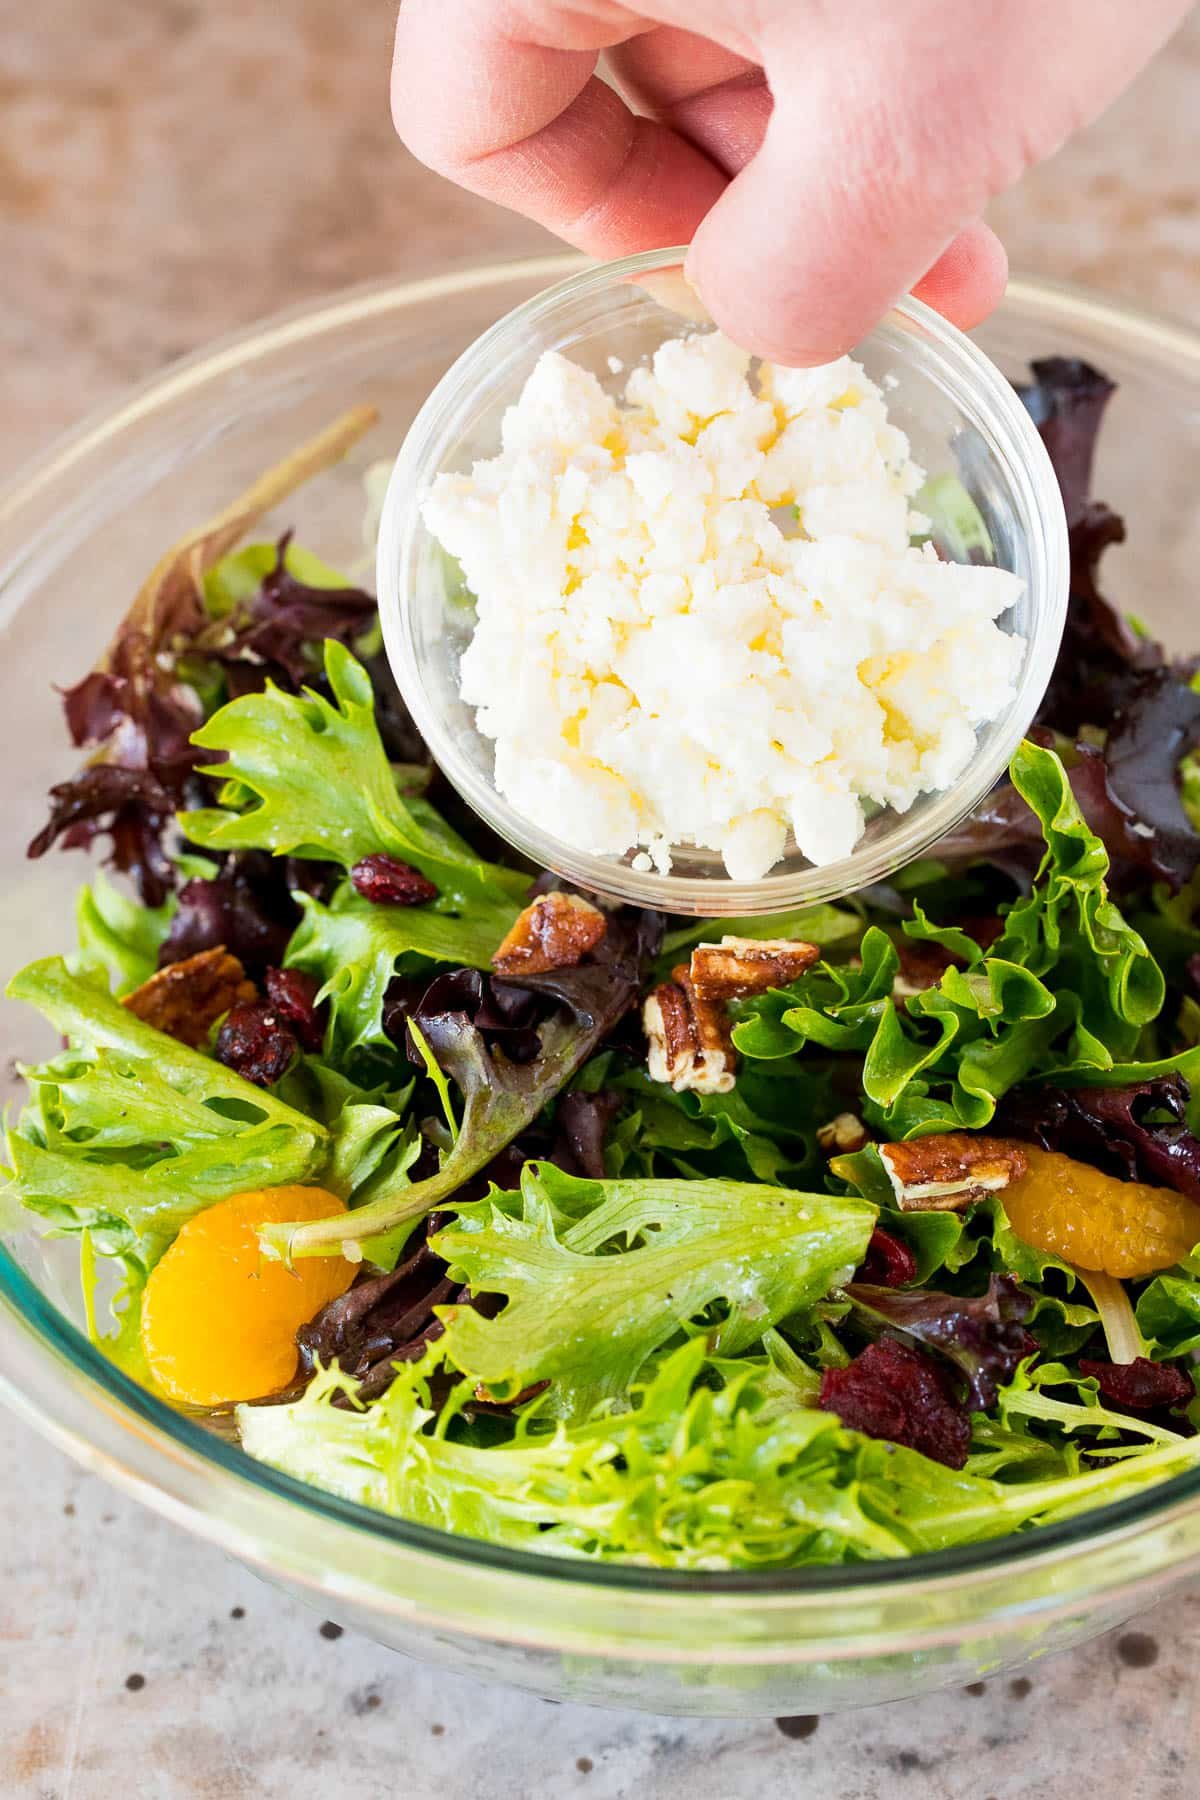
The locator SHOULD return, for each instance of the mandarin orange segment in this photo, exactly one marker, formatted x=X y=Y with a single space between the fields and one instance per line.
x=1122 y=1228
x=219 y=1322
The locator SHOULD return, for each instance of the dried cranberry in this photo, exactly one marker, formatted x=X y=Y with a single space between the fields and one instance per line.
x=256 y=1043
x=386 y=881
x=894 y=1392
x=888 y=1262
x=293 y=994
x=923 y=964
x=1140 y=1385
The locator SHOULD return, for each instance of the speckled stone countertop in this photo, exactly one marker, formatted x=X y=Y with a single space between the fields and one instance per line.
x=168 y=172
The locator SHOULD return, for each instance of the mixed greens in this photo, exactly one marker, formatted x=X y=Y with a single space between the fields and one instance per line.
x=926 y=1272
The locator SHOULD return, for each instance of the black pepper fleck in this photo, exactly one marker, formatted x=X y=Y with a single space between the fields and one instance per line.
x=331 y=1631
x=69 y=1509
x=437 y=1731
x=1137 y=1650
x=584 y=1764
x=237 y=1612
x=975 y=1688
x=363 y=1701
x=135 y=1682
x=798 y=1725
x=1021 y=1688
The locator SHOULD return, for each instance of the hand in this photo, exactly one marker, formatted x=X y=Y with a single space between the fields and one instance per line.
x=822 y=157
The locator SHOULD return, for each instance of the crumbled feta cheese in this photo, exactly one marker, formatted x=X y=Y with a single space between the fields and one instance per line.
x=661 y=657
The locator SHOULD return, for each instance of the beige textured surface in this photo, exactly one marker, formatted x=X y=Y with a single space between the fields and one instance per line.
x=169 y=171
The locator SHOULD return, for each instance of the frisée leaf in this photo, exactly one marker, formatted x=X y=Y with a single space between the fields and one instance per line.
x=599 y=1275
x=306 y=776
x=130 y=1133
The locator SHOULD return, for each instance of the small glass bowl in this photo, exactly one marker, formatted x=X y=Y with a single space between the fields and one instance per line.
x=962 y=419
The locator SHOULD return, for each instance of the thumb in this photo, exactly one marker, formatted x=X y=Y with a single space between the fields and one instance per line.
x=830 y=224
x=887 y=139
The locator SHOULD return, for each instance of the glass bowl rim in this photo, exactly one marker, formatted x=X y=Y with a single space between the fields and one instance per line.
x=26 y=1313
x=968 y=374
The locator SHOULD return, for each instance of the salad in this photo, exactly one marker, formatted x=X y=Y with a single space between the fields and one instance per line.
x=840 y=1235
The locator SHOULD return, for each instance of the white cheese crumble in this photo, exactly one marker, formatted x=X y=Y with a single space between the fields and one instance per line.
x=663 y=658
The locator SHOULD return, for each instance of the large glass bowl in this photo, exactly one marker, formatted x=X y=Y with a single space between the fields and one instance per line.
x=77 y=533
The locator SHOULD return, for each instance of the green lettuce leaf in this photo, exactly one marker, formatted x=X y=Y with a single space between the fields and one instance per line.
x=372 y=1137
x=354 y=949
x=129 y=1133
x=695 y=1476
x=309 y=777
x=1168 y=1310
x=764 y=1127
x=119 y=935
x=599 y=1275
x=1068 y=988
x=122 y=1344
x=235 y=580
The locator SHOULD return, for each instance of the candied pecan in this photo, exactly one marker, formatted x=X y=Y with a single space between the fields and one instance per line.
x=842 y=1135
x=255 y=1042
x=923 y=961
x=690 y=1042
x=1140 y=1385
x=386 y=881
x=555 y=931
x=738 y=966
x=921 y=967
x=187 y=998
x=950 y=1171
x=895 y=1392
x=293 y=995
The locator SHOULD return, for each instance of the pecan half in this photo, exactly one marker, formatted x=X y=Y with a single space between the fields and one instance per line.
x=924 y=962
x=186 y=999
x=689 y=1038
x=950 y=1171
x=842 y=1135
x=739 y=966
x=554 y=932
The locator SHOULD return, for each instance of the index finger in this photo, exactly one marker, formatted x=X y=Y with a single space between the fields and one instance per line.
x=506 y=103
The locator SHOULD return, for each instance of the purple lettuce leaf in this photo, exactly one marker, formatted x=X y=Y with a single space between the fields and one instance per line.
x=499 y=1097
x=382 y=1320
x=1128 y=793
x=137 y=718
x=388 y=1318
x=1067 y=400
x=272 y=635
x=983 y=1338
x=247 y=907
x=1112 y=1128
x=1157 y=723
